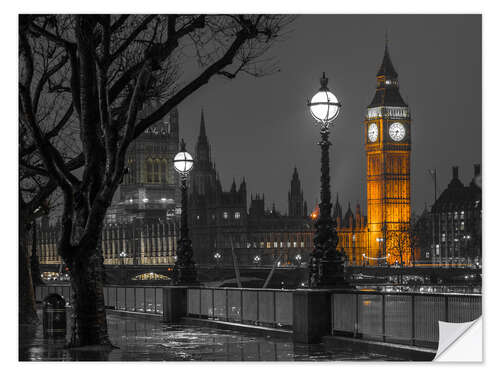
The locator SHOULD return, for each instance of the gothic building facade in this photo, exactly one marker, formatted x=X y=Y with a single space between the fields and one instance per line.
x=456 y=219
x=141 y=226
x=221 y=224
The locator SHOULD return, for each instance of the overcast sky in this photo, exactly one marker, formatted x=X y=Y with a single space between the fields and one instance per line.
x=259 y=128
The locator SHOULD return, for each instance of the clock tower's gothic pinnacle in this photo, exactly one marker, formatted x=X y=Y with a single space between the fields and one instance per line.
x=387 y=146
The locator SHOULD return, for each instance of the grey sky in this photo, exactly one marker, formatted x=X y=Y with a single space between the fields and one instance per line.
x=260 y=127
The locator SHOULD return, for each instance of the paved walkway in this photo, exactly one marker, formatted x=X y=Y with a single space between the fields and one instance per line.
x=143 y=339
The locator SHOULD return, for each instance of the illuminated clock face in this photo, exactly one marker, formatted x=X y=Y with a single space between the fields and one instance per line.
x=397 y=131
x=373 y=132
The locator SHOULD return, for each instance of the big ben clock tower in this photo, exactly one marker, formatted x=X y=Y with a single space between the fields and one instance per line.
x=387 y=145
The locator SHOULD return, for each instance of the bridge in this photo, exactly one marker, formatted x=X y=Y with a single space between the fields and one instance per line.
x=284 y=277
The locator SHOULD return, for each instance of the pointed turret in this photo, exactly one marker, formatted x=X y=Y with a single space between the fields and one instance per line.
x=202 y=146
x=387 y=93
x=349 y=217
x=295 y=196
x=387 y=69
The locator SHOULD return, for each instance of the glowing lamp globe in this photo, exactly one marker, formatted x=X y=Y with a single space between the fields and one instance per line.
x=324 y=106
x=183 y=161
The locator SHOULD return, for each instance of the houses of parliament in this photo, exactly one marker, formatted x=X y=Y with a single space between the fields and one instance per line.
x=142 y=224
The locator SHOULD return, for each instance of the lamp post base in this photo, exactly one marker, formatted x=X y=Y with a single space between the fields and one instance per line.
x=333 y=274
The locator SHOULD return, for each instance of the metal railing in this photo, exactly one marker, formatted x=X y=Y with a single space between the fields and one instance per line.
x=410 y=318
x=263 y=307
x=145 y=299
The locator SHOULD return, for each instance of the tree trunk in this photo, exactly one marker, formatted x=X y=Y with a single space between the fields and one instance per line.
x=89 y=313
x=27 y=304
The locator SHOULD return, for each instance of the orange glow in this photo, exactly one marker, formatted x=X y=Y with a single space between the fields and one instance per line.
x=314 y=215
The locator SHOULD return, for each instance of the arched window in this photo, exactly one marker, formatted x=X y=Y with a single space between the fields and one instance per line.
x=156 y=170
x=149 y=170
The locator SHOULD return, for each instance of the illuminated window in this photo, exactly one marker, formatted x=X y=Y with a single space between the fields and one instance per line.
x=262 y=245
x=268 y=245
x=294 y=244
x=443 y=237
x=197 y=217
x=281 y=244
x=275 y=244
x=236 y=215
x=302 y=244
x=462 y=225
x=225 y=215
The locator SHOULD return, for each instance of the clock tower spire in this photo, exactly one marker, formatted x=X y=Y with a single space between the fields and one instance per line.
x=387 y=145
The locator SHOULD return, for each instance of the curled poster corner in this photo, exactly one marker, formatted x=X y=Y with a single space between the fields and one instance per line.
x=460 y=342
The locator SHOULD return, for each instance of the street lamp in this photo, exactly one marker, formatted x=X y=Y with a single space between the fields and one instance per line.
x=184 y=268
x=326 y=268
x=257 y=259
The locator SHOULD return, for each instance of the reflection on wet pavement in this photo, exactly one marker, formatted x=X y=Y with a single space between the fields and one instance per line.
x=141 y=339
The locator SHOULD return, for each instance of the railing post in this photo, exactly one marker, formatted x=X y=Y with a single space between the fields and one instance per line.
x=413 y=325
x=241 y=305
x=275 y=323
x=174 y=303
x=311 y=315
x=258 y=308
x=383 y=317
x=213 y=303
x=154 y=299
x=135 y=298
x=199 y=310
x=227 y=306
x=332 y=316
x=356 y=323
x=446 y=311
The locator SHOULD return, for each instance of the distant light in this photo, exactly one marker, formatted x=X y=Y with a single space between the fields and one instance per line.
x=164 y=199
x=145 y=200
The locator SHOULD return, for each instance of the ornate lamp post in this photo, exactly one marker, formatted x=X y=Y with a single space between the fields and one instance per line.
x=184 y=269
x=326 y=267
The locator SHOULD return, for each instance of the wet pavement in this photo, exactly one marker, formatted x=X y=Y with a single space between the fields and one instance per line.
x=143 y=339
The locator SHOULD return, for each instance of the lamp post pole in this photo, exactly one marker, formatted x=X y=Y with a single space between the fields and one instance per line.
x=184 y=271
x=326 y=267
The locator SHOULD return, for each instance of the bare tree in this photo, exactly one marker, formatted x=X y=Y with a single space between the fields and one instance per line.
x=52 y=111
x=117 y=64
x=398 y=244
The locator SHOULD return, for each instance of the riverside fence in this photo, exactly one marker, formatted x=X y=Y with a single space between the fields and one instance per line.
x=407 y=318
